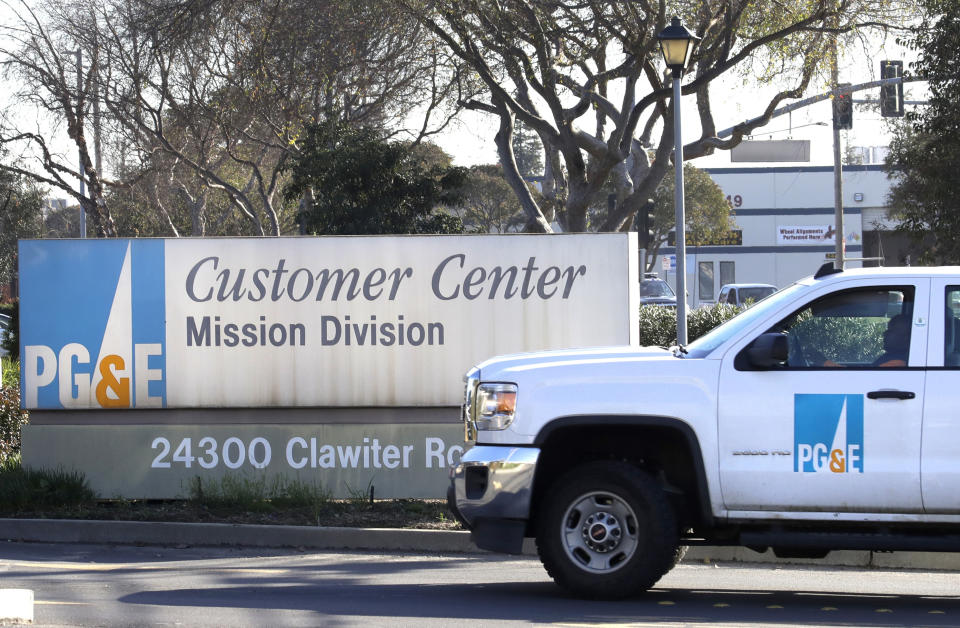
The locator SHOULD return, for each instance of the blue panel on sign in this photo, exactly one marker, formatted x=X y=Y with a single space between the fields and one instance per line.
x=90 y=310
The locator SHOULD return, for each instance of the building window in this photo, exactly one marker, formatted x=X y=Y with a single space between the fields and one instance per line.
x=705 y=273
x=727 y=273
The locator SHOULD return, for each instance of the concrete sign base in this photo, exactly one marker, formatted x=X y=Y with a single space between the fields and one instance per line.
x=164 y=461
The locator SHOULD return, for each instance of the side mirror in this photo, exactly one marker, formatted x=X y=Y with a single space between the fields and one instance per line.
x=768 y=351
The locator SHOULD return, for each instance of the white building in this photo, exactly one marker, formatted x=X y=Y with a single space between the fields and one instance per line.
x=785 y=219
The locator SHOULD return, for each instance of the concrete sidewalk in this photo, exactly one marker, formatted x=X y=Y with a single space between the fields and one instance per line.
x=393 y=539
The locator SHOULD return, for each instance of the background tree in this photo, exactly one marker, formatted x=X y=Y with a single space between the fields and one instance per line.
x=361 y=183
x=238 y=87
x=21 y=216
x=40 y=59
x=587 y=78
x=486 y=203
x=926 y=149
x=207 y=99
x=707 y=211
x=527 y=151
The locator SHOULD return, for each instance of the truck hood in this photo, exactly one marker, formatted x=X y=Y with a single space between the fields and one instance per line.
x=509 y=367
x=603 y=381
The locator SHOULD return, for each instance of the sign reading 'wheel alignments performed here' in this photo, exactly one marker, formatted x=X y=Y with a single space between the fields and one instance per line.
x=306 y=322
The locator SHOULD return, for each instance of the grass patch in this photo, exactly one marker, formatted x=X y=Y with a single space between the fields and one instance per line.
x=241 y=499
x=257 y=493
x=22 y=488
x=10 y=372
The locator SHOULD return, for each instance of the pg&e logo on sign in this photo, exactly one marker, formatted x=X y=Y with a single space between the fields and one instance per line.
x=92 y=324
x=828 y=433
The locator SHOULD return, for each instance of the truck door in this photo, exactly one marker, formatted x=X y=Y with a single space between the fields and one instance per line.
x=940 y=460
x=837 y=425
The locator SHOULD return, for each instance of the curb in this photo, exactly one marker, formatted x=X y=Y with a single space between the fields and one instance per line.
x=395 y=539
x=163 y=533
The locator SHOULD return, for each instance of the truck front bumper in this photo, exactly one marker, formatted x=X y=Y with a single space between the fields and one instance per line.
x=490 y=493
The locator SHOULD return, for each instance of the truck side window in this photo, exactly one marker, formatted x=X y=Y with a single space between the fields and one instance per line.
x=951 y=328
x=868 y=328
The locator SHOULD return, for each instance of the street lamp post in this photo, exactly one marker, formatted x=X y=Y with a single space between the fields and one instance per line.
x=676 y=45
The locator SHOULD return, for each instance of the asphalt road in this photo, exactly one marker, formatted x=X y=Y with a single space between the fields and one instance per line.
x=95 y=585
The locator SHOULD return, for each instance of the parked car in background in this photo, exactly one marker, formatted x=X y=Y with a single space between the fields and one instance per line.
x=4 y=327
x=740 y=293
x=655 y=291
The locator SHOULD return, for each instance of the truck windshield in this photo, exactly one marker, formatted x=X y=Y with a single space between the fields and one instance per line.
x=655 y=288
x=703 y=345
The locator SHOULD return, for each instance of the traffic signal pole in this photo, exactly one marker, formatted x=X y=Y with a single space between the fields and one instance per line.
x=806 y=102
x=838 y=199
x=837 y=162
x=837 y=91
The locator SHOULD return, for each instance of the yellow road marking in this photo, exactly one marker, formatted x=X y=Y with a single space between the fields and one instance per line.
x=666 y=603
x=250 y=570
x=884 y=610
x=936 y=613
x=83 y=566
x=600 y=625
x=626 y=625
x=138 y=566
x=829 y=608
x=49 y=603
x=721 y=605
x=774 y=606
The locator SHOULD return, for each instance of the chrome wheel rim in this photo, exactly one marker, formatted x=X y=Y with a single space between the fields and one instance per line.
x=599 y=532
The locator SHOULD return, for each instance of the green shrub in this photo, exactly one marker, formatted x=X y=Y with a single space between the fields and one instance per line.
x=25 y=489
x=658 y=324
x=12 y=419
x=703 y=319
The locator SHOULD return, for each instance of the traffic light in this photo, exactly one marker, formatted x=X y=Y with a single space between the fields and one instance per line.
x=891 y=96
x=843 y=109
x=645 y=224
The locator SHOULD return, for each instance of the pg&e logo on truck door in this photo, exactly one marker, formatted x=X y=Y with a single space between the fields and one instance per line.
x=828 y=433
x=92 y=324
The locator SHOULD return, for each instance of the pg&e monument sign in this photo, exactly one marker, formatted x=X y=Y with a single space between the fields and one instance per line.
x=337 y=360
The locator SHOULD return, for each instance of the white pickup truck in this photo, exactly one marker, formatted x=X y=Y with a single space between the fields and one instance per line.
x=825 y=417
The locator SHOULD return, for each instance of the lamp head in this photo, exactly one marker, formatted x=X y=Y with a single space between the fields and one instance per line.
x=676 y=45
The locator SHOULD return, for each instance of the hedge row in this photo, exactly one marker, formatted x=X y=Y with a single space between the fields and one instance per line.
x=12 y=419
x=658 y=324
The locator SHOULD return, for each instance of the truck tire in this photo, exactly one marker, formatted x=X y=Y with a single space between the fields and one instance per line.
x=606 y=530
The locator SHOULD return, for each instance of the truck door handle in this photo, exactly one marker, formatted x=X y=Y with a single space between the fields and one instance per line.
x=890 y=394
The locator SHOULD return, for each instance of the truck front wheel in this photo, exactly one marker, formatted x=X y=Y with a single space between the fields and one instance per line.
x=606 y=530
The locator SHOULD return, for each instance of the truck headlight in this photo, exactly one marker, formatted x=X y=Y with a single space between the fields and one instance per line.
x=495 y=406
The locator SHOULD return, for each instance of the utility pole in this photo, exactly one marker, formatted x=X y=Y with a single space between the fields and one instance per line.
x=837 y=162
x=83 y=190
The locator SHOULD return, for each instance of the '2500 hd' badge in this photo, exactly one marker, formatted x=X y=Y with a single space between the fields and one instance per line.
x=828 y=433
